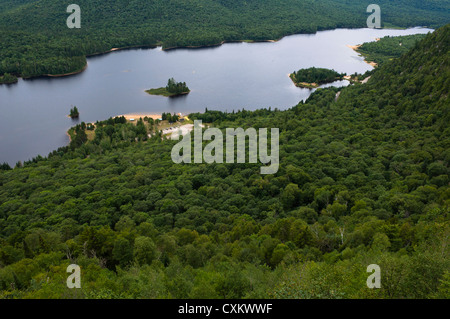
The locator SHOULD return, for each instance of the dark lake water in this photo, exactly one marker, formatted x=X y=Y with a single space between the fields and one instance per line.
x=230 y=77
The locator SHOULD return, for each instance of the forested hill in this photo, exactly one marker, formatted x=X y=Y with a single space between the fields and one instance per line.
x=418 y=83
x=362 y=180
x=35 y=40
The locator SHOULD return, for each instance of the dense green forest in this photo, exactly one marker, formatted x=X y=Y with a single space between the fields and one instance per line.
x=363 y=179
x=175 y=87
x=34 y=38
x=388 y=48
x=313 y=77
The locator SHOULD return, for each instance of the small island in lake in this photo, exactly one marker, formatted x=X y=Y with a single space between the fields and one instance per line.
x=173 y=88
x=74 y=113
x=313 y=77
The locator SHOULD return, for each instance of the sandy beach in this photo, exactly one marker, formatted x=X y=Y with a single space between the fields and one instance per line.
x=137 y=116
x=355 y=48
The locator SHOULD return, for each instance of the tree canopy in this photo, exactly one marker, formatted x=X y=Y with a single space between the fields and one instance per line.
x=363 y=178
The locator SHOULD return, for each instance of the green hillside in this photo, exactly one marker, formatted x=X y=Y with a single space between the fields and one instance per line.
x=34 y=38
x=363 y=179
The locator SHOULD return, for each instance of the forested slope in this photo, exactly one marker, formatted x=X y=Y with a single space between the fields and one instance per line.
x=34 y=38
x=362 y=180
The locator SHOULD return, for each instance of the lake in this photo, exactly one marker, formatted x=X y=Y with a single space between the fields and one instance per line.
x=230 y=77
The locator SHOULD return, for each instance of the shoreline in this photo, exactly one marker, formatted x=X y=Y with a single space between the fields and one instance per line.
x=49 y=75
x=137 y=116
x=84 y=67
x=356 y=47
x=66 y=74
x=225 y=42
x=128 y=117
x=70 y=138
x=122 y=48
x=191 y=47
